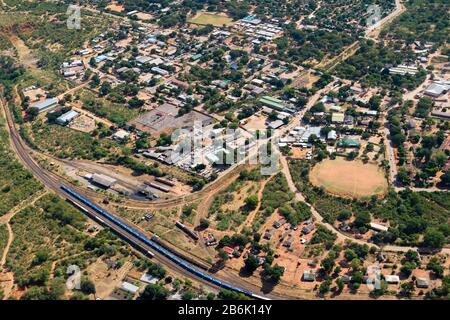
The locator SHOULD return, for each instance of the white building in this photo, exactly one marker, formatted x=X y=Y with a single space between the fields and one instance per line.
x=120 y=135
x=129 y=287
x=67 y=117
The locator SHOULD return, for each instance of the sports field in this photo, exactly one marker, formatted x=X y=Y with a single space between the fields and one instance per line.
x=216 y=20
x=349 y=178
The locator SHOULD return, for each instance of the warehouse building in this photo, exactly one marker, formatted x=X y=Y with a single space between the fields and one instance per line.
x=45 y=105
x=67 y=117
x=275 y=104
x=436 y=89
x=103 y=180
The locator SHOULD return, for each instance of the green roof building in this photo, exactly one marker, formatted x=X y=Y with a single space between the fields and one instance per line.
x=196 y=57
x=273 y=103
x=348 y=143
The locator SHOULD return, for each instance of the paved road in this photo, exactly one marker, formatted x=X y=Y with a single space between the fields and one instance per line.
x=373 y=31
x=391 y=157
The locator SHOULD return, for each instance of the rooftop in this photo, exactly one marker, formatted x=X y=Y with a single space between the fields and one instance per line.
x=337 y=117
x=47 y=103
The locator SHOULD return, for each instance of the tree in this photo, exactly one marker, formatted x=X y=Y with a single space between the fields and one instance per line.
x=407 y=289
x=327 y=264
x=95 y=81
x=382 y=289
x=92 y=62
x=413 y=256
x=318 y=107
x=251 y=263
x=424 y=106
x=350 y=255
x=403 y=176
x=362 y=219
x=435 y=266
x=274 y=273
x=407 y=268
x=231 y=295
x=105 y=88
x=204 y=223
x=324 y=287
x=87 y=286
x=344 y=215
x=164 y=140
x=40 y=257
x=251 y=202
x=340 y=284
x=188 y=295
x=375 y=102
x=352 y=155
x=398 y=139
x=135 y=103
x=142 y=143
x=157 y=270
x=223 y=255
x=32 y=113
x=37 y=293
x=433 y=239
x=445 y=180
x=154 y=292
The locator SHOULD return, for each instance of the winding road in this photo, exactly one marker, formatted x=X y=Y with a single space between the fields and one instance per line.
x=53 y=182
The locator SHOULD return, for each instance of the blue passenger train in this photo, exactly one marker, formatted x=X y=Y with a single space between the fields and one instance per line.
x=156 y=246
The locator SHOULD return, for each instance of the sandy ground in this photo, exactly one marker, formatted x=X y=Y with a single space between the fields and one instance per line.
x=210 y=18
x=349 y=178
x=144 y=16
x=255 y=122
x=83 y=123
x=107 y=280
x=298 y=153
x=115 y=7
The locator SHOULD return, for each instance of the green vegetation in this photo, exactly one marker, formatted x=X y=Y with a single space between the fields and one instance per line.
x=324 y=236
x=423 y=20
x=227 y=219
x=295 y=212
x=51 y=231
x=9 y=73
x=3 y=238
x=137 y=166
x=409 y=213
x=5 y=43
x=49 y=30
x=273 y=273
x=369 y=65
x=16 y=184
x=301 y=45
x=154 y=292
x=276 y=193
x=118 y=113
x=66 y=143
x=425 y=144
x=231 y=295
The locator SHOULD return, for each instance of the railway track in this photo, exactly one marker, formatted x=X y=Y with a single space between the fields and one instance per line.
x=53 y=182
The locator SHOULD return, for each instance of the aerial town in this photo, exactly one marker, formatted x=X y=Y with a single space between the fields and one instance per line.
x=224 y=150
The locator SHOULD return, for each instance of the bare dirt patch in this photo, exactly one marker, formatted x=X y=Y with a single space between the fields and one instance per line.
x=298 y=153
x=116 y=7
x=255 y=122
x=349 y=178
